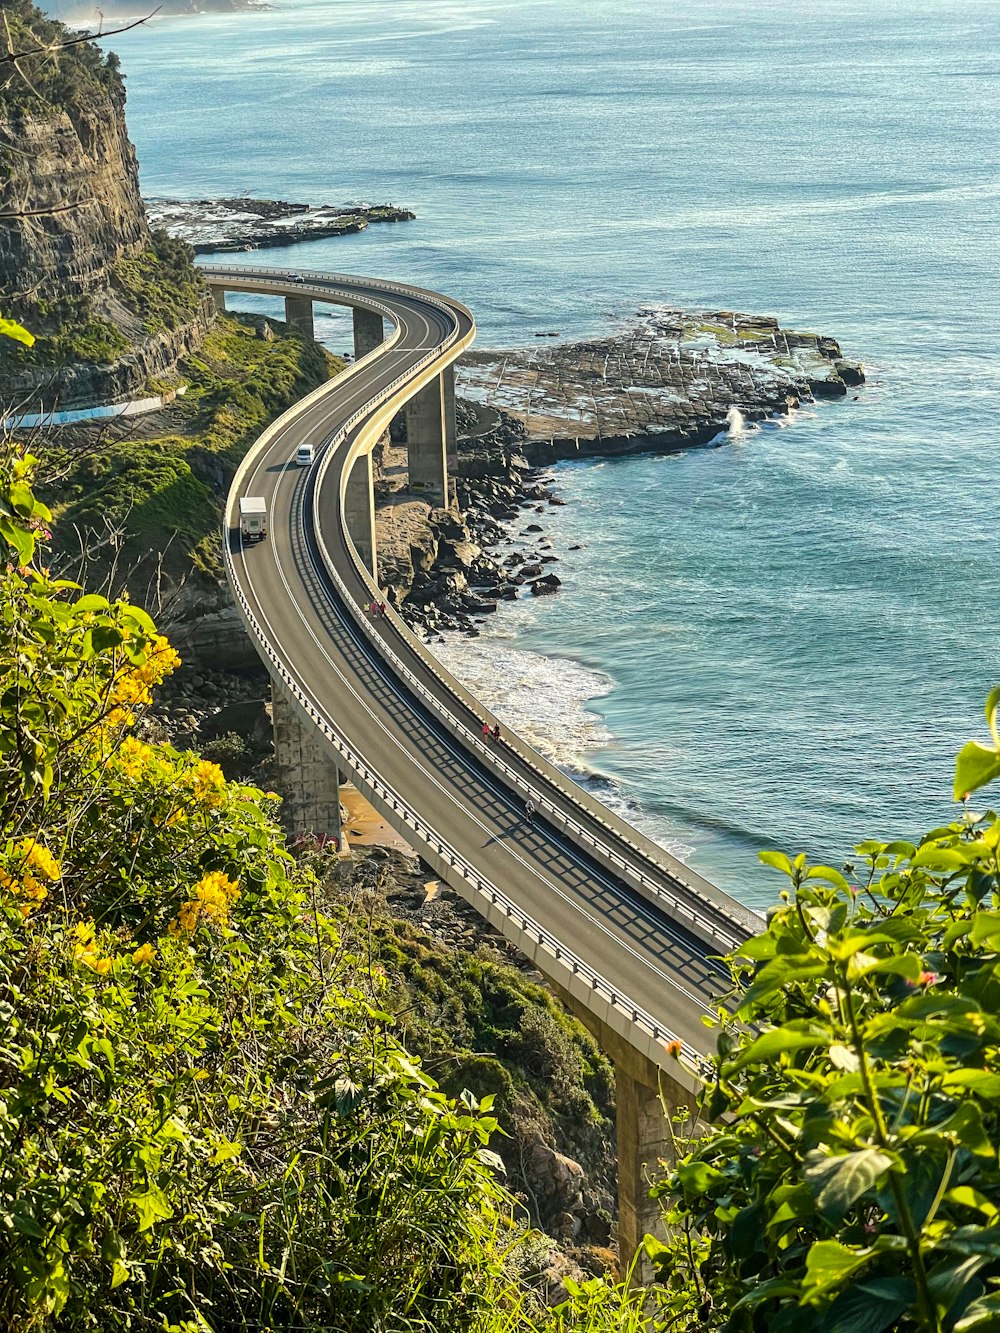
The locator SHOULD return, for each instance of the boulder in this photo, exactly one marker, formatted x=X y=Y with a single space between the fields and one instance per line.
x=544 y=586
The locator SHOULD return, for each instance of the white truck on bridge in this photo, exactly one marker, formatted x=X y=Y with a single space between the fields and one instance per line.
x=253 y=518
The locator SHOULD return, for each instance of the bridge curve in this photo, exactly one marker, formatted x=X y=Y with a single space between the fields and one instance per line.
x=626 y=933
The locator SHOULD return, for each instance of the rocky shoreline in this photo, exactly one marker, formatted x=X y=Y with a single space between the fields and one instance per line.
x=213 y=226
x=671 y=381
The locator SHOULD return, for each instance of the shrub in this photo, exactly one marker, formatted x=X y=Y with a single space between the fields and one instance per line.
x=854 y=1186
x=204 y=1124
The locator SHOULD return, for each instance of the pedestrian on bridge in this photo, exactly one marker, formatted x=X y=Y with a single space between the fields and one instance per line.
x=529 y=811
x=486 y=731
x=496 y=732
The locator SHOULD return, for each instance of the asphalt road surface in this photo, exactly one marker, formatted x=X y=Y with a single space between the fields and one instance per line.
x=642 y=921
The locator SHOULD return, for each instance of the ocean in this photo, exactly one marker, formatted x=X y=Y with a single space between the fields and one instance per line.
x=778 y=642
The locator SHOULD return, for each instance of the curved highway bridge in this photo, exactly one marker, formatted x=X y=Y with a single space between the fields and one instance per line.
x=626 y=933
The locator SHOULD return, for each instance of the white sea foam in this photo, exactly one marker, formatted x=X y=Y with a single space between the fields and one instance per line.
x=735 y=421
x=544 y=699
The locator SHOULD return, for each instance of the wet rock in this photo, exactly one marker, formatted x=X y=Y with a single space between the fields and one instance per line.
x=544 y=586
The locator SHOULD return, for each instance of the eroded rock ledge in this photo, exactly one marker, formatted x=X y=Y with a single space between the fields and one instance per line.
x=669 y=381
x=225 y=225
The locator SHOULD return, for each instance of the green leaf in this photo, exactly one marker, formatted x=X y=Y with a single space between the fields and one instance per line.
x=829 y=874
x=933 y=857
x=778 y=860
x=838 y=1182
x=10 y=328
x=828 y=1264
x=972 y=1240
x=983 y=1314
x=91 y=601
x=778 y=973
x=698 y=1178
x=766 y=1291
x=967 y=1197
x=974 y=768
x=908 y=965
x=980 y=1081
x=151 y=1207
x=21 y=540
x=782 y=1041
x=869 y=1307
x=119 y=1273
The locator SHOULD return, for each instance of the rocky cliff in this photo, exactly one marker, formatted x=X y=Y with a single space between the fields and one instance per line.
x=112 y=306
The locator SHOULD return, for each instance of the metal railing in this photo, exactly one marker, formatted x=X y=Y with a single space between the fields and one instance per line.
x=439 y=356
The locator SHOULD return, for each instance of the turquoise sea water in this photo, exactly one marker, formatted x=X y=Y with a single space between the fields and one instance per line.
x=783 y=640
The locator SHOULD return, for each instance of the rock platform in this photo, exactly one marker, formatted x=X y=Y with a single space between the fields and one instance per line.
x=212 y=226
x=670 y=380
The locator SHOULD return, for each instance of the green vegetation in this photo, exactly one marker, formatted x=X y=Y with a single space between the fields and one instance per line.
x=80 y=76
x=206 y=1121
x=167 y=491
x=855 y=1186
x=160 y=288
x=477 y=1022
x=161 y=283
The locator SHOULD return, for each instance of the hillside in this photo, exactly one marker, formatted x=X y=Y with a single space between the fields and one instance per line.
x=112 y=305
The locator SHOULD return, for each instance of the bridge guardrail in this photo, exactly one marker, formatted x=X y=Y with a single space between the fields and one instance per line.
x=694 y=915
x=545 y=939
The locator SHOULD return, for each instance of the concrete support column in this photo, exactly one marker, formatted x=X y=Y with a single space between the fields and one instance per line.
x=219 y=297
x=450 y=423
x=359 y=508
x=426 y=442
x=308 y=774
x=299 y=313
x=368 y=332
x=642 y=1090
x=643 y=1140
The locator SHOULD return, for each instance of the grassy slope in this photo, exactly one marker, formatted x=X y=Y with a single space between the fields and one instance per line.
x=480 y=1024
x=167 y=489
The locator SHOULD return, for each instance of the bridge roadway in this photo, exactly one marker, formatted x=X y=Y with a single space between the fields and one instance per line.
x=586 y=895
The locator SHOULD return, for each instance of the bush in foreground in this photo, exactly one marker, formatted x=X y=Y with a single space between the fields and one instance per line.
x=204 y=1123
x=854 y=1186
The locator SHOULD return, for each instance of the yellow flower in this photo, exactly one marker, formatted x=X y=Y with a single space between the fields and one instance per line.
x=103 y=966
x=135 y=758
x=39 y=858
x=189 y=914
x=209 y=783
x=214 y=894
x=34 y=863
x=144 y=954
x=162 y=659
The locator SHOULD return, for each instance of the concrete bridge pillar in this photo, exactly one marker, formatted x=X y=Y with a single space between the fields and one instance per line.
x=644 y=1142
x=359 y=509
x=644 y=1095
x=450 y=420
x=308 y=773
x=427 y=442
x=299 y=314
x=368 y=332
x=219 y=297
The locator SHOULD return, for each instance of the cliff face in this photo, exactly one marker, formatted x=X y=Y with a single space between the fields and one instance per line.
x=112 y=306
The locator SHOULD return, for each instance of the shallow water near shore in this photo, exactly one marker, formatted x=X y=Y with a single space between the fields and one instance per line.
x=778 y=642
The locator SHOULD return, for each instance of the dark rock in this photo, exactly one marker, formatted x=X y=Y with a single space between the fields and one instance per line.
x=544 y=586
